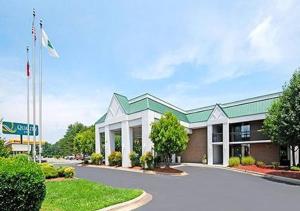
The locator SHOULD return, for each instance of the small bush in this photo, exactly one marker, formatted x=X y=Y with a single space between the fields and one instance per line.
x=134 y=158
x=275 y=165
x=61 y=171
x=147 y=160
x=69 y=172
x=204 y=159
x=295 y=168
x=96 y=158
x=49 y=170
x=21 y=184
x=260 y=164
x=248 y=160
x=234 y=161
x=115 y=159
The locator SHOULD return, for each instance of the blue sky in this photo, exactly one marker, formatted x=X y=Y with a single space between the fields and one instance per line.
x=190 y=53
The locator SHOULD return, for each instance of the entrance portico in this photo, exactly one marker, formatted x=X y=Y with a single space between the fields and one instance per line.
x=117 y=121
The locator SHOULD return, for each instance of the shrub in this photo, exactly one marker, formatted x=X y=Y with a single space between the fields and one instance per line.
x=21 y=184
x=248 y=160
x=61 y=171
x=234 y=161
x=147 y=160
x=275 y=165
x=295 y=168
x=49 y=170
x=69 y=172
x=4 y=151
x=96 y=158
x=204 y=159
x=134 y=158
x=260 y=164
x=115 y=159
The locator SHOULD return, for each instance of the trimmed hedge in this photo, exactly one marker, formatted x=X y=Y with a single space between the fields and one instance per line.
x=248 y=160
x=69 y=172
x=96 y=158
x=115 y=159
x=134 y=158
x=234 y=161
x=260 y=164
x=21 y=184
x=295 y=168
x=147 y=160
x=49 y=170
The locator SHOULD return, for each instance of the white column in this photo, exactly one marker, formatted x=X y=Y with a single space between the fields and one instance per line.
x=225 y=144
x=209 y=145
x=109 y=143
x=147 y=119
x=97 y=139
x=126 y=143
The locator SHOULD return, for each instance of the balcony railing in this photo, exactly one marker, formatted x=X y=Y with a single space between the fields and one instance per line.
x=217 y=137
x=240 y=136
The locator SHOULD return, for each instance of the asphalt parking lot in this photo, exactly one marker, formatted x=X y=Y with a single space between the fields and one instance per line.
x=207 y=189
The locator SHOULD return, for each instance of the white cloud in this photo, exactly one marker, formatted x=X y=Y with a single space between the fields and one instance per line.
x=58 y=110
x=263 y=40
x=229 y=48
x=165 y=65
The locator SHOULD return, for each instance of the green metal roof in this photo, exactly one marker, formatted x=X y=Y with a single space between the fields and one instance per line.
x=102 y=119
x=250 y=106
x=200 y=116
x=257 y=107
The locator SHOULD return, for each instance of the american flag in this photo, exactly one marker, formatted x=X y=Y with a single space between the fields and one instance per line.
x=33 y=32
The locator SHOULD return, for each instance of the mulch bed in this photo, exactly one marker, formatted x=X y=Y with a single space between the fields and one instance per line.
x=160 y=170
x=136 y=167
x=167 y=170
x=283 y=172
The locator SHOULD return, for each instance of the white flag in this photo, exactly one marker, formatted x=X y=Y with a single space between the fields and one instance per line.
x=47 y=44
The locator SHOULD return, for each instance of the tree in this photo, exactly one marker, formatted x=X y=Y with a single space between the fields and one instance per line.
x=85 y=141
x=48 y=150
x=4 y=152
x=66 y=144
x=282 y=123
x=169 y=136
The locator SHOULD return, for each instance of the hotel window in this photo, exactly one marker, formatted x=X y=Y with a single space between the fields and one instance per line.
x=245 y=131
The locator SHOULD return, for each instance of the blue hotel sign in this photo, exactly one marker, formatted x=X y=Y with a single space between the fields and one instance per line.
x=18 y=128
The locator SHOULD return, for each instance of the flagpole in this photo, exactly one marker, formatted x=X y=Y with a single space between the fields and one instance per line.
x=33 y=86
x=40 y=95
x=28 y=109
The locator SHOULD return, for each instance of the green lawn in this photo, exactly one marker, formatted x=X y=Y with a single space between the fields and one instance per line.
x=79 y=194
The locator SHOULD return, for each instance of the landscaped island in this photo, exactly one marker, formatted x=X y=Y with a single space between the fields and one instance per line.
x=79 y=194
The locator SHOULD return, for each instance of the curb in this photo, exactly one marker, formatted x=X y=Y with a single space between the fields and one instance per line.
x=139 y=201
x=267 y=176
x=253 y=173
x=137 y=170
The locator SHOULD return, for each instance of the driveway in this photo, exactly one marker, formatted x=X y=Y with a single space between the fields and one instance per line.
x=207 y=189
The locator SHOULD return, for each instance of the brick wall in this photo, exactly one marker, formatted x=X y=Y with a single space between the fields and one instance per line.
x=266 y=152
x=197 y=146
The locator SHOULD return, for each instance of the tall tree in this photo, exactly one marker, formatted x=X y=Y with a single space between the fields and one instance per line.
x=169 y=136
x=66 y=144
x=282 y=123
x=84 y=142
